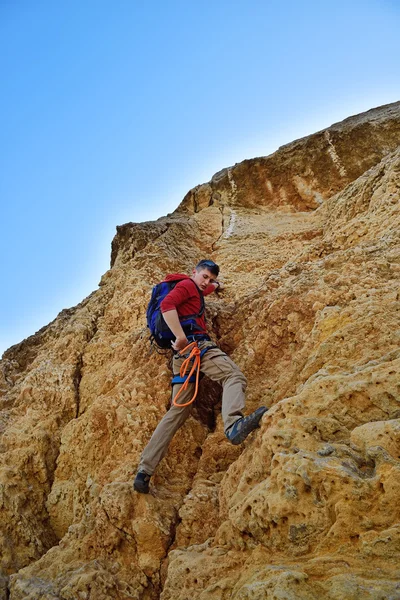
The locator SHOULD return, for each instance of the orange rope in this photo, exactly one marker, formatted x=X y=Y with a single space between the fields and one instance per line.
x=195 y=356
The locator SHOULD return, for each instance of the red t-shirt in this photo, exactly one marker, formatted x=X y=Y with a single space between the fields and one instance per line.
x=185 y=299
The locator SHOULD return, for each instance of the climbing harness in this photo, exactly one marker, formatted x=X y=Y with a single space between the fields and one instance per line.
x=194 y=356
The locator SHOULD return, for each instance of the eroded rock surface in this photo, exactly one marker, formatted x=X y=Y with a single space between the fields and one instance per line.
x=308 y=240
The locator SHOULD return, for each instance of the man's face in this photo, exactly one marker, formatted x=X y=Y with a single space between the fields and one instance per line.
x=203 y=278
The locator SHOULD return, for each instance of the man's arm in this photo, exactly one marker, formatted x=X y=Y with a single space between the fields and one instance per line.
x=212 y=287
x=172 y=320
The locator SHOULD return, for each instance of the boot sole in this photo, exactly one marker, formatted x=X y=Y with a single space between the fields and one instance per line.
x=248 y=427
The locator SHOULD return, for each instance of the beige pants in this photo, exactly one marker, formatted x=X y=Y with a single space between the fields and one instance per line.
x=216 y=365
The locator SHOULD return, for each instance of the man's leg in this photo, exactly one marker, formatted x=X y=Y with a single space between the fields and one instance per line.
x=219 y=367
x=163 y=434
x=170 y=423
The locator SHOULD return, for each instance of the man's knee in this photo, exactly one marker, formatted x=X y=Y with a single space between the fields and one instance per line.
x=242 y=379
x=237 y=376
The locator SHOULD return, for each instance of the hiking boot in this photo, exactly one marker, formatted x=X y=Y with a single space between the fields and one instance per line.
x=141 y=483
x=244 y=426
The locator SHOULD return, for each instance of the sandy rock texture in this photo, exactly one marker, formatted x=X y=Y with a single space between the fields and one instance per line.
x=308 y=240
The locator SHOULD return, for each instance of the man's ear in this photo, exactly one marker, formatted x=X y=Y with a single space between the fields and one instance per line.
x=193 y=271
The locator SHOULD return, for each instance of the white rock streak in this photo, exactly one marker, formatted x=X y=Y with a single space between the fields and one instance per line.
x=231 y=226
x=232 y=218
x=233 y=183
x=334 y=155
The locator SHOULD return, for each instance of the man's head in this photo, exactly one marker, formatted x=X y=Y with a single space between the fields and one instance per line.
x=205 y=272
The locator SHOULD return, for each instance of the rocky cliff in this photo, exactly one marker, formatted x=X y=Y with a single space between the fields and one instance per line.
x=308 y=240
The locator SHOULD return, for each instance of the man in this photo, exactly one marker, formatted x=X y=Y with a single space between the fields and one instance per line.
x=186 y=299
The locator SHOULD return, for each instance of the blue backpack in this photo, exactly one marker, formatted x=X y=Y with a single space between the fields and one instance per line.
x=160 y=333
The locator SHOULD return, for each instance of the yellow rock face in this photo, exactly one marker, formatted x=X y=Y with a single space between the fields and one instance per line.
x=308 y=241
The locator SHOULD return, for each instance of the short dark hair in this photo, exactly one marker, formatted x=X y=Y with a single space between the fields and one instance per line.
x=208 y=264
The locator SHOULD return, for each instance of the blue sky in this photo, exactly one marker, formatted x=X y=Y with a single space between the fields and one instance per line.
x=111 y=111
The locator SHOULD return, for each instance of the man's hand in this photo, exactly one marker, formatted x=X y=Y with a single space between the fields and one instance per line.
x=180 y=343
x=218 y=285
x=172 y=320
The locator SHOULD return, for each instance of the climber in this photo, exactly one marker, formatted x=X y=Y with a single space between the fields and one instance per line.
x=186 y=299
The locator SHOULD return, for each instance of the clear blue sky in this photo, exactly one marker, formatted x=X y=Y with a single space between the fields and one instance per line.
x=110 y=111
